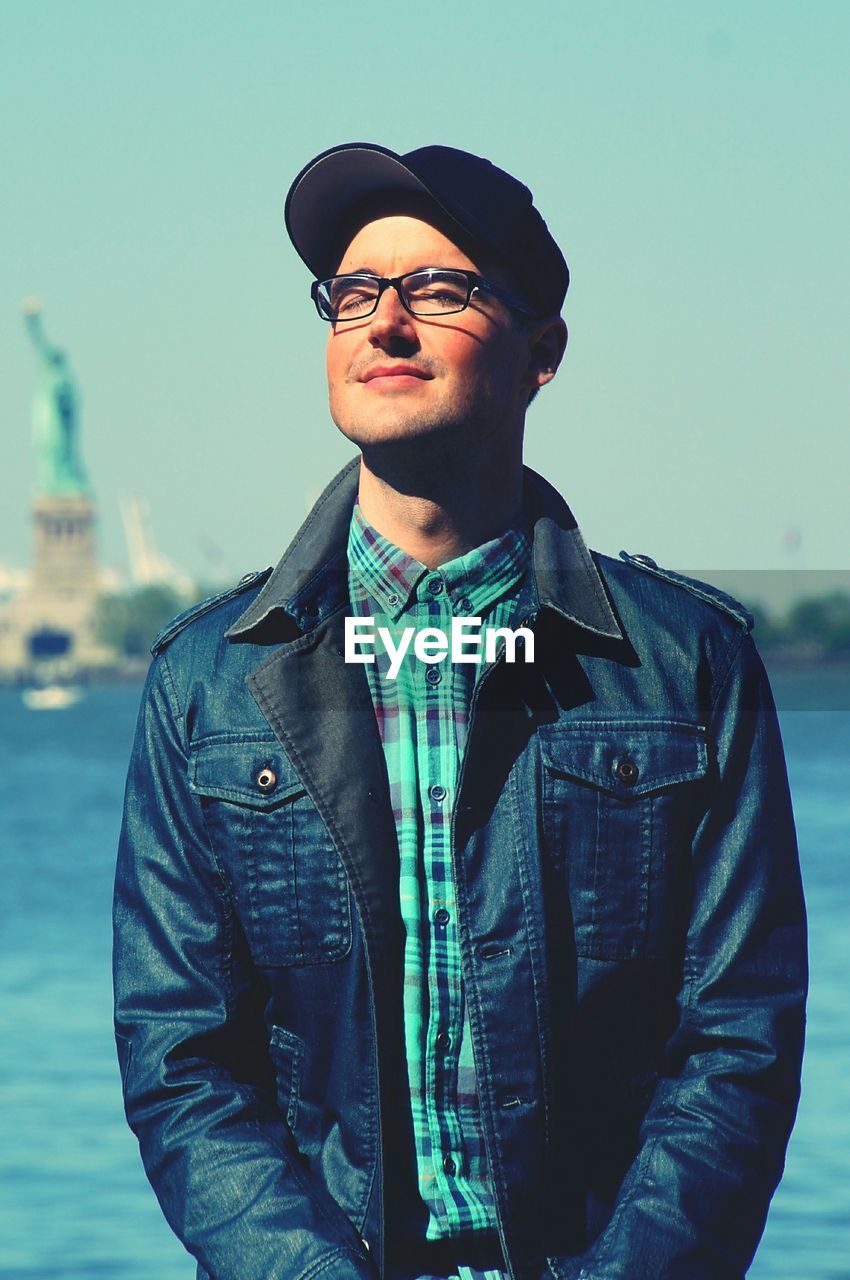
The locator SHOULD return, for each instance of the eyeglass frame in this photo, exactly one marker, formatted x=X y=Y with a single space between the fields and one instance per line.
x=474 y=282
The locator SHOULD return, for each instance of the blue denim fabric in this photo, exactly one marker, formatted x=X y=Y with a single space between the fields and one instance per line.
x=630 y=908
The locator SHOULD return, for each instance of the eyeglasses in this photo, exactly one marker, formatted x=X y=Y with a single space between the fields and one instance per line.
x=432 y=291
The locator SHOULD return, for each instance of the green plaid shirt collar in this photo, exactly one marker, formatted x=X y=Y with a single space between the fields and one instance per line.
x=473 y=581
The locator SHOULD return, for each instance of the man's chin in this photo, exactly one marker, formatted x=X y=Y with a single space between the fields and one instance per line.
x=398 y=432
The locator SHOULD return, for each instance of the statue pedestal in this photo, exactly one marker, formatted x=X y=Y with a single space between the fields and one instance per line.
x=52 y=620
x=65 y=559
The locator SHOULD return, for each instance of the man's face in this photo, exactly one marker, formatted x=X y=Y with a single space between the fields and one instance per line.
x=393 y=377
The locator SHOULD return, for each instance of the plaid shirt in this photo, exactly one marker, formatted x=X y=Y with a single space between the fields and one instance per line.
x=423 y=719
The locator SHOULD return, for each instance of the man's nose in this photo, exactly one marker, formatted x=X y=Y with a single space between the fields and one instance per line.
x=390 y=320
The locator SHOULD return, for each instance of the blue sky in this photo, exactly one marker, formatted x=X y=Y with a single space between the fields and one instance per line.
x=690 y=159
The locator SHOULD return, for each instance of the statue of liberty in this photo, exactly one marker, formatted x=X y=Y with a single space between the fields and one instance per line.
x=55 y=416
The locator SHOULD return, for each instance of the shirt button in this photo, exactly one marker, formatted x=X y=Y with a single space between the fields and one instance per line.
x=465 y=604
x=444 y=1041
x=433 y=675
x=393 y=598
x=435 y=586
x=449 y=1166
x=441 y=916
x=437 y=793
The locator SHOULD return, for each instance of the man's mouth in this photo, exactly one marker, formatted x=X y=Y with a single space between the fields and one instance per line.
x=398 y=374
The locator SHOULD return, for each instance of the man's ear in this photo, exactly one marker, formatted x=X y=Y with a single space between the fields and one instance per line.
x=547 y=342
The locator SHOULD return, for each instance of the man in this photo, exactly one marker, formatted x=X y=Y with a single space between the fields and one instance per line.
x=437 y=956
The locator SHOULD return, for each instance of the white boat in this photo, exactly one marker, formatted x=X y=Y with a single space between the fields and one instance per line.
x=52 y=697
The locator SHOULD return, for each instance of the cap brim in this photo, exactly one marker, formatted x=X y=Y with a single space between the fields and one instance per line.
x=330 y=187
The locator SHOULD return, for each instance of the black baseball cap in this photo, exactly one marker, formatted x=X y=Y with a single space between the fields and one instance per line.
x=491 y=206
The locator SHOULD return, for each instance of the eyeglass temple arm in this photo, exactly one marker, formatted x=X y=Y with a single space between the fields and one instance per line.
x=505 y=294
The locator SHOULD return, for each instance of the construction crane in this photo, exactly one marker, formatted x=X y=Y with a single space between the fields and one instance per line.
x=147 y=564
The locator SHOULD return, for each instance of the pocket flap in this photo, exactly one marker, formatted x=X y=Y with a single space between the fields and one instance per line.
x=626 y=757
x=251 y=771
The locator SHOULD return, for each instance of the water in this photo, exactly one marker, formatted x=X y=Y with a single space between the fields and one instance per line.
x=74 y=1202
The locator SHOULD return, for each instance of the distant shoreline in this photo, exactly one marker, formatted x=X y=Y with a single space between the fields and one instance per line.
x=799 y=684
x=809 y=686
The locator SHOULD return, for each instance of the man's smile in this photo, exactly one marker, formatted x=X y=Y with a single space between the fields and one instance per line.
x=395 y=375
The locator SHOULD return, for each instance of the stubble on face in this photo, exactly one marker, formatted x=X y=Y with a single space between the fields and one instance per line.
x=429 y=438
x=468 y=362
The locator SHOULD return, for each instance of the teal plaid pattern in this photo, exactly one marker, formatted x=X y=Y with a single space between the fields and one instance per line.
x=423 y=718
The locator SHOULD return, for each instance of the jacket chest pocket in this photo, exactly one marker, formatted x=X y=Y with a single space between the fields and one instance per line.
x=621 y=802
x=289 y=884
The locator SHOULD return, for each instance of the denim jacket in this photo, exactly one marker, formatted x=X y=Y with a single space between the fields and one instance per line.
x=630 y=912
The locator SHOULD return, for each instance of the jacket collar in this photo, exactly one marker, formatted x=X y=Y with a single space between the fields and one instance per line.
x=311 y=582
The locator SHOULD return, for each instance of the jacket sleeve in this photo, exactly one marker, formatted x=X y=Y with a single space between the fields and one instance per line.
x=192 y=1046
x=712 y=1145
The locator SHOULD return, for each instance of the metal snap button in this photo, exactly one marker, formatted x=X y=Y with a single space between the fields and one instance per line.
x=267 y=779
x=627 y=771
